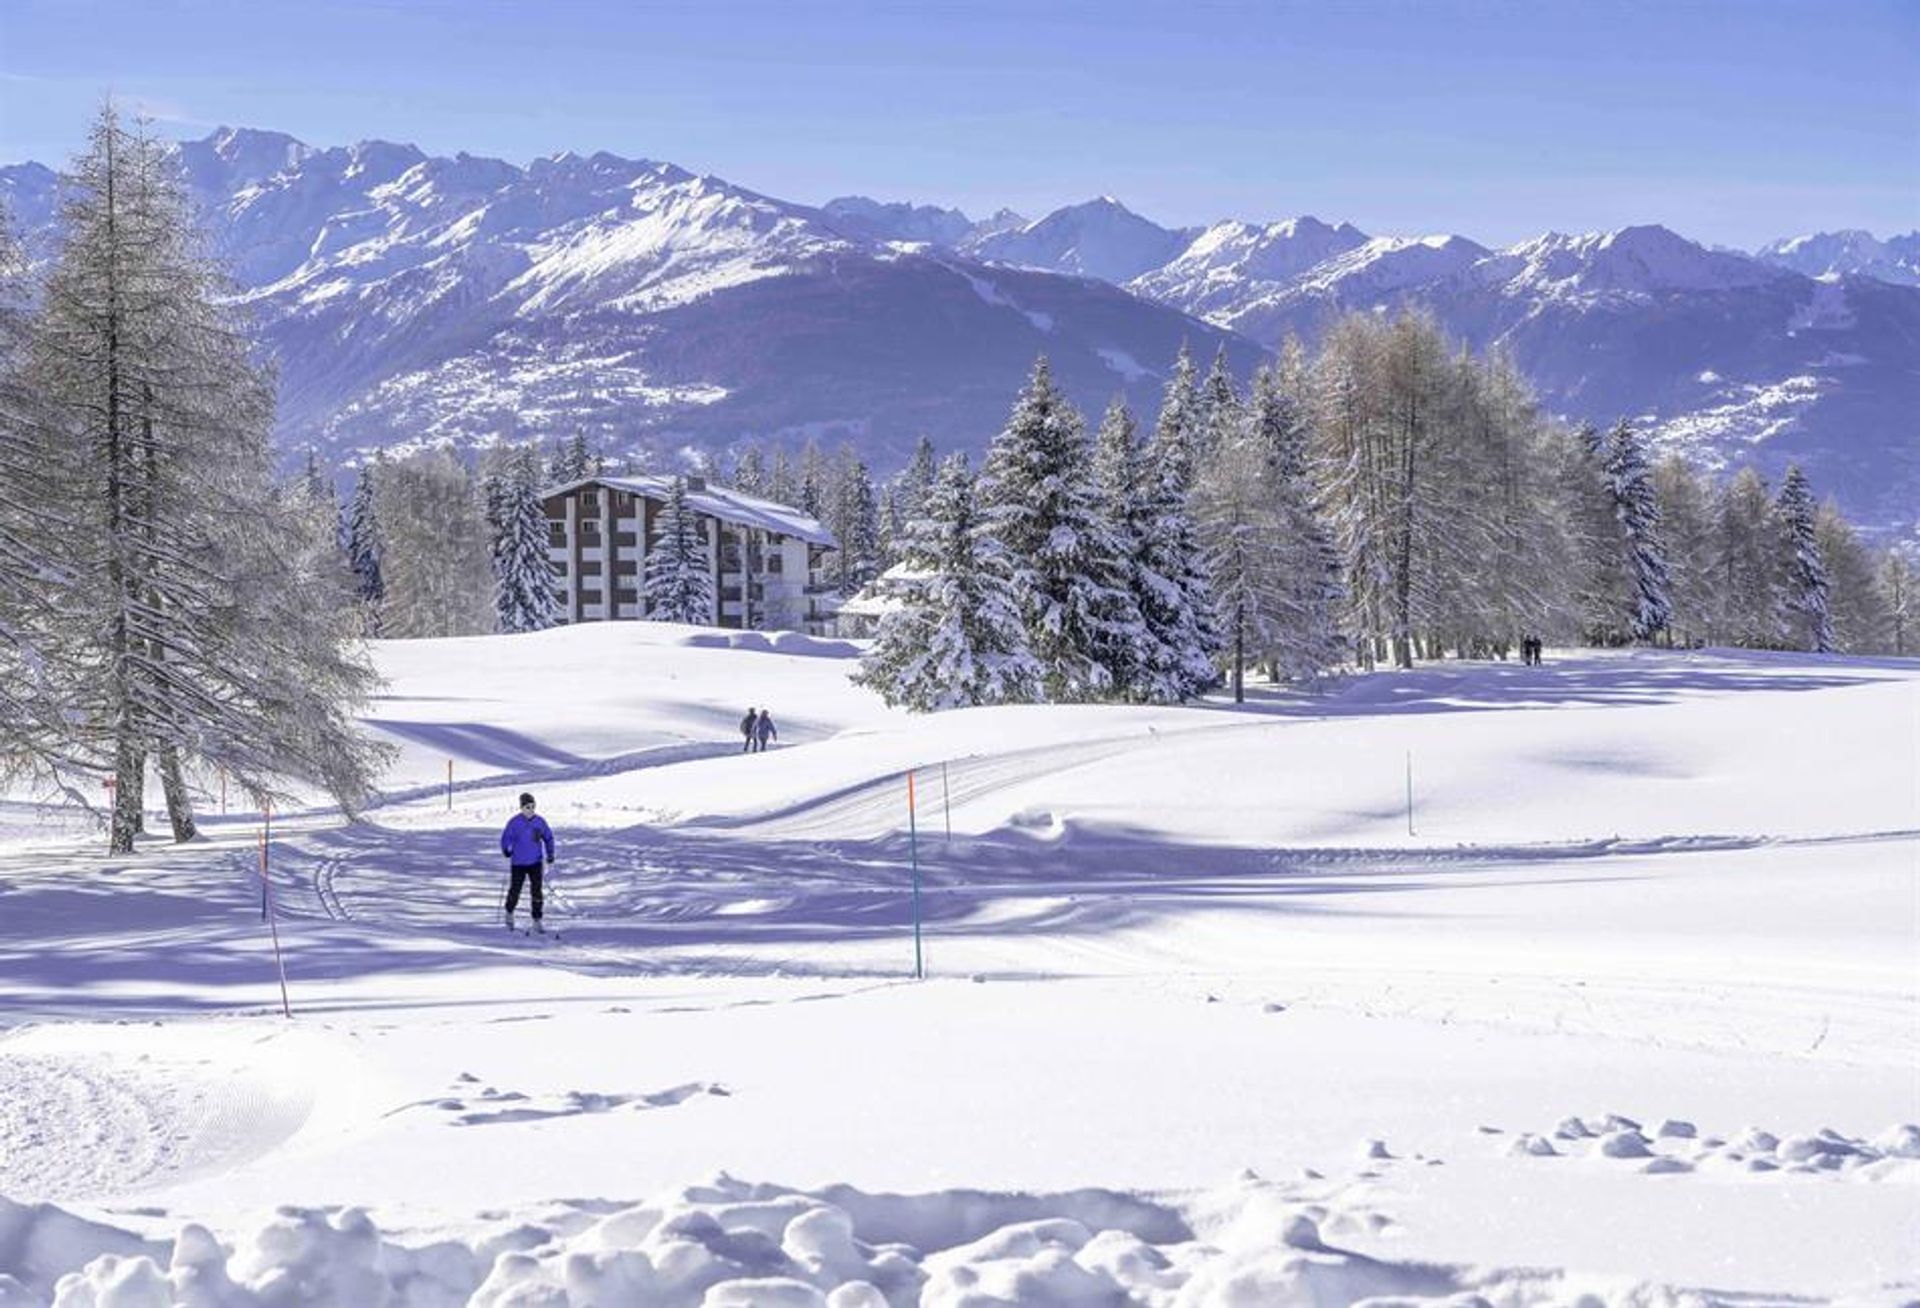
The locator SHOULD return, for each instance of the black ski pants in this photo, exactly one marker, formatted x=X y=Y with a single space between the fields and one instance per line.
x=523 y=873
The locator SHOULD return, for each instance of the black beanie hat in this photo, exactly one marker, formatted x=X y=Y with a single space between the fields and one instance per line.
x=525 y=800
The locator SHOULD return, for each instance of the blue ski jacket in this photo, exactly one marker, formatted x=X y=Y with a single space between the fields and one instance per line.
x=525 y=839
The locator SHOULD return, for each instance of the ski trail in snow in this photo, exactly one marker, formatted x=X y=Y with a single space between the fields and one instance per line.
x=878 y=805
x=95 y=1112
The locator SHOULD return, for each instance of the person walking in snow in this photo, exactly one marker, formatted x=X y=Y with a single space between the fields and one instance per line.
x=764 y=730
x=748 y=725
x=527 y=843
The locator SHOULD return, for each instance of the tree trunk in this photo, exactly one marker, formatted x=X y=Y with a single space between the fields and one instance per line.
x=1239 y=655
x=125 y=823
x=179 y=802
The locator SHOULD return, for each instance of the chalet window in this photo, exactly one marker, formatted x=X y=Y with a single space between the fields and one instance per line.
x=589 y=569
x=557 y=534
x=774 y=561
x=625 y=538
x=627 y=596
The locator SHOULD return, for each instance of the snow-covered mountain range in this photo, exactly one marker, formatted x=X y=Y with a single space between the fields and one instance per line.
x=411 y=298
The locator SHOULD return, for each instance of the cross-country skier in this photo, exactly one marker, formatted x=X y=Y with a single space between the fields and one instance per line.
x=748 y=725
x=762 y=730
x=527 y=843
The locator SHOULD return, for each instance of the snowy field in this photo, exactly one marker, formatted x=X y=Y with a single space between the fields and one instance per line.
x=1630 y=1008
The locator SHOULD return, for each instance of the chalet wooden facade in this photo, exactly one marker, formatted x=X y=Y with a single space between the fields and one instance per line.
x=768 y=559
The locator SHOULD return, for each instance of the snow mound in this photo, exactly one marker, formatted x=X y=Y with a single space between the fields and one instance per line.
x=731 y=1244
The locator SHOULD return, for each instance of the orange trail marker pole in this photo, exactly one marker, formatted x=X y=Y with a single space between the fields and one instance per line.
x=266 y=912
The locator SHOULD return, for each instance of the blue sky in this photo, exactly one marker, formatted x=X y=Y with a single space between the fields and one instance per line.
x=1730 y=122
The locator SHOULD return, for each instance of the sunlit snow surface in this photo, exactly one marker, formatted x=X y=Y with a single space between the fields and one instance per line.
x=1632 y=1012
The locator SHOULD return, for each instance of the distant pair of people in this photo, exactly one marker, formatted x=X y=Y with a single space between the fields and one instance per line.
x=1530 y=651
x=756 y=729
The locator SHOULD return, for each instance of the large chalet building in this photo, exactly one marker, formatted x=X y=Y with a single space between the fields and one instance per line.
x=768 y=559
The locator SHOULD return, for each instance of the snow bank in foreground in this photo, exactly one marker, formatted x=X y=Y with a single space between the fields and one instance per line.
x=729 y=1243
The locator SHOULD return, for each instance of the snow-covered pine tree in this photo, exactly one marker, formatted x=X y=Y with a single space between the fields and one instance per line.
x=893 y=525
x=750 y=476
x=1630 y=487
x=1220 y=409
x=184 y=620
x=916 y=480
x=367 y=545
x=815 y=482
x=523 y=580
x=1180 y=615
x=957 y=638
x=1233 y=504
x=437 y=567
x=678 y=583
x=1135 y=656
x=574 y=460
x=856 y=525
x=1806 y=573
x=1304 y=640
x=1039 y=499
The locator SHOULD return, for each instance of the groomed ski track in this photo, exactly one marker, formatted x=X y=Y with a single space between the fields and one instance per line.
x=821 y=889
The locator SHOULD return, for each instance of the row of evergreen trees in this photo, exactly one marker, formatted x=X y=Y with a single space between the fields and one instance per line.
x=162 y=601
x=1386 y=499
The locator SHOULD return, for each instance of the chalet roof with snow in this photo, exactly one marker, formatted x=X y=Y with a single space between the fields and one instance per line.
x=720 y=502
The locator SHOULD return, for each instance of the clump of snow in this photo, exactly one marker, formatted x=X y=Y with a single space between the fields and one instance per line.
x=1901 y=1141
x=1530 y=1145
x=1624 y=1144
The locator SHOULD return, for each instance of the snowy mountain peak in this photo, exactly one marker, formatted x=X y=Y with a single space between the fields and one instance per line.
x=1849 y=251
x=1640 y=260
x=1275 y=252
x=253 y=150
x=381 y=160
x=870 y=220
x=1099 y=238
x=233 y=157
